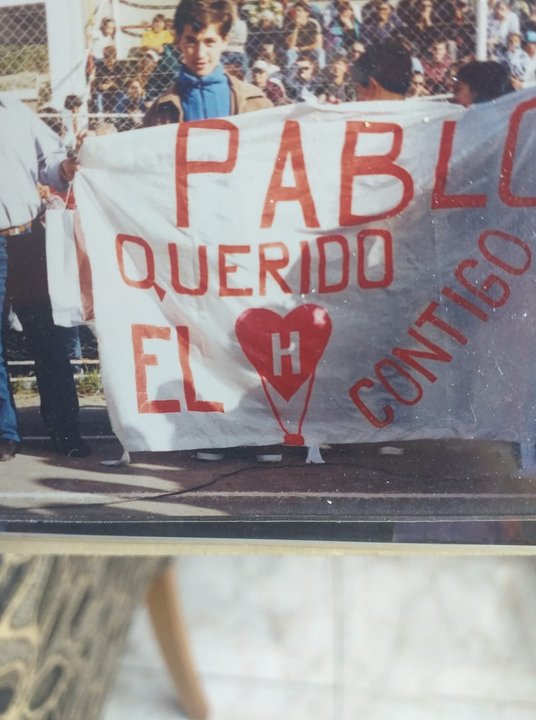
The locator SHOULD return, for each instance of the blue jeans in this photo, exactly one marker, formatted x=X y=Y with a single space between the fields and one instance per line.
x=31 y=302
x=8 y=418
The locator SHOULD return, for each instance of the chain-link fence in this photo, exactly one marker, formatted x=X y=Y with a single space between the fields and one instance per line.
x=301 y=48
x=24 y=50
x=292 y=50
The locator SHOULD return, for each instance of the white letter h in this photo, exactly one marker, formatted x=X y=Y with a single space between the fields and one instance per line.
x=292 y=351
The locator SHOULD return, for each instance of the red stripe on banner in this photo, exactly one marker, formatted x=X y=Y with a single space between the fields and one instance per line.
x=84 y=270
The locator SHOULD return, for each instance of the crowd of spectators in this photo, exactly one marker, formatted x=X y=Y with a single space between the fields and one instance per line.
x=297 y=50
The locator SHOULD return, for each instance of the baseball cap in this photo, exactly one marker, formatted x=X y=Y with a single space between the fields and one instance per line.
x=260 y=65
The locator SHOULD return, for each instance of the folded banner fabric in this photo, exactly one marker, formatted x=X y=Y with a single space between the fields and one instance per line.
x=68 y=270
x=308 y=274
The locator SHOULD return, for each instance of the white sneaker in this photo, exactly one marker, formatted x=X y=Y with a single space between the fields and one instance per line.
x=210 y=455
x=390 y=450
x=269 y=454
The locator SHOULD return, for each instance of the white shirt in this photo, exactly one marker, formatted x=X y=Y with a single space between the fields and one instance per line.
x=29 y=153
x=498 y=30
x=530 y=74
x=99 y=42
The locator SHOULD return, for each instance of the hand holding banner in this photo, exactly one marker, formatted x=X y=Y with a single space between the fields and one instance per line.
x=354 y=273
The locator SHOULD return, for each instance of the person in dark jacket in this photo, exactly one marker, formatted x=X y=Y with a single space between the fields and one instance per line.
x=202 y=89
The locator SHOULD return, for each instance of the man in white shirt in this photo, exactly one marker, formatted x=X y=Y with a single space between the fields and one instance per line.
x=501 y=22
x=30 y=153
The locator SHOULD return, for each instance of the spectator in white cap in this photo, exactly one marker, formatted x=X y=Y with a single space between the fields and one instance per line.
x=266 y=55
x=267 y=52
x=271 y=85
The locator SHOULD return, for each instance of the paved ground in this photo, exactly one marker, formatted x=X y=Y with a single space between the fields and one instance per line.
x=358 y=493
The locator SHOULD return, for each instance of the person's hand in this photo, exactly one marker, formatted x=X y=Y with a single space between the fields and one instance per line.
x=44 y=192
x=517 y=84
x=80 y=137
x=70 y=165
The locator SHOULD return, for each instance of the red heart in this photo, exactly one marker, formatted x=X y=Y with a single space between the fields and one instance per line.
x=284 y=350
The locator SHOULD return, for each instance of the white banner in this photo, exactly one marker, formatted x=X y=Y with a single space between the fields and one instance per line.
x=338 y=274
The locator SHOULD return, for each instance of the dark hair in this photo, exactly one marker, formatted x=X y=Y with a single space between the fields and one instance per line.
x=72 y=102
x=389 y=63
x=341 y=5
x=104 y=22
x=486 y=79
x=202 y=13
x=166 y=113
x=53 y=120
x=307 y=55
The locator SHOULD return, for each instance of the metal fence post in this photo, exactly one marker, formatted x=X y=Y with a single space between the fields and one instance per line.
x=119 y=32
x=66 y=48
x=481 y=30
